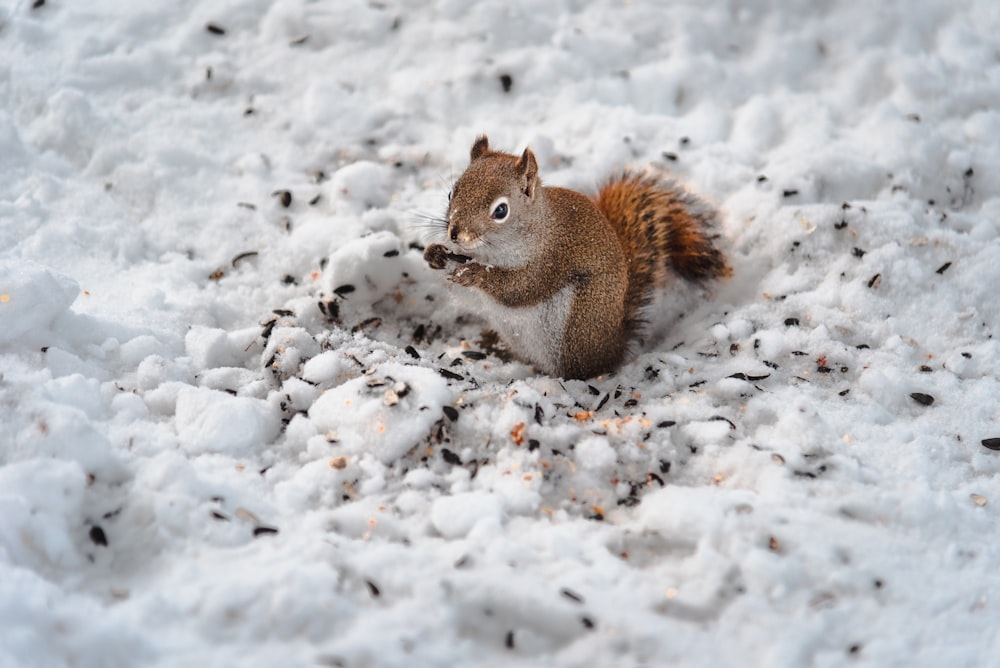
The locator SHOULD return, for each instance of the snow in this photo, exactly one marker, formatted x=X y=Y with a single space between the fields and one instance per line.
x=239 y=426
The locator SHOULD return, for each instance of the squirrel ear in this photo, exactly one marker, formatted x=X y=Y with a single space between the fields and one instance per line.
x=481 y=146
x=527 y=167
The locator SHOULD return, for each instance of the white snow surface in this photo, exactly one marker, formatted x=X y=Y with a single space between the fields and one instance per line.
x=214 y=452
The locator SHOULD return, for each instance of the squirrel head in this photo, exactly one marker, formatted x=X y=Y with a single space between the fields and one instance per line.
x=492 y=207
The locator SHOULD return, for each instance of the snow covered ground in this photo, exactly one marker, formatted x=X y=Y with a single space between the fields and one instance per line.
x=241 y=423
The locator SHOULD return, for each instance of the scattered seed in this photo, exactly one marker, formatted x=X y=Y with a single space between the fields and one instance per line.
x=37 y=3
x=533 y=445
x=943 y=268
x=330 y=309
x=925 y=369
x=791 y=192
x=219 y=516
x=777 y=459
x=284 y=196
x=791 y=322
x=369 y=322
x=517 y=433
x=507 y=81
x=390 y=398
x=243 y=256
x=412 y=352
x=391 y=253
x=451 y=412
x=571 y=595
x=265 y=332
x=978 y=499
x=214 y=29
x=373 y=589
x=264 y=531
x=587 y=622
x=98 y=536
x=455 y=257
x=509 y=640
x=991 y=443
x=450 y=457
x=875 y=281
x=247 y=205
x=761 y=178
x=603 y=401
x=748 y=377
x=922 y=399
x=773 y=544
x=630 y=403
x=314 y=201
x=451 y=374
x=671 y=156
x=342 y=290
x=858 y=252
x=593 y=390
x=720 y=418
x=288 y=279
x=823 y=369
x=474 y=355
x=666 y=423
x=844 y=393
x=216 y=275
x=841 y=225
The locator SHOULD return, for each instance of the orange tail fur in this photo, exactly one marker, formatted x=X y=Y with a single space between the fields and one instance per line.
x=661 y=227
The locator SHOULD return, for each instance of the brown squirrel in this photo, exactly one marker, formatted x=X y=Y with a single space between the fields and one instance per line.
x=564 y=277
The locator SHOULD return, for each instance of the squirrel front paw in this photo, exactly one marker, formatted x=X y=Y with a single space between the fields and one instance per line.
x=469 y=274
x=436 y=256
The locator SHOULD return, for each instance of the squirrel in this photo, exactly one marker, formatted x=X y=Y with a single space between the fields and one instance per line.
x=563 y=278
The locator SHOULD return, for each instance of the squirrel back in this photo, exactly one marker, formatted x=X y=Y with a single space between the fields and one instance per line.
x=662 y=228
x=561 y=277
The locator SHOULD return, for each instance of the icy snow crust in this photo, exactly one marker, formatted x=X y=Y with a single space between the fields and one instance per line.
x=236 y=432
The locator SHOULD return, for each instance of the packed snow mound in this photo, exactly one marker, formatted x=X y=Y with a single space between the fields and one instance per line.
x=32 y=296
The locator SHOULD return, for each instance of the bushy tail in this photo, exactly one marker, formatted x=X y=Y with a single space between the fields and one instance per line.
x=661 y=227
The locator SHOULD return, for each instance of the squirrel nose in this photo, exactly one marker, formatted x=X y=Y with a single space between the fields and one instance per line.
x=453 y=233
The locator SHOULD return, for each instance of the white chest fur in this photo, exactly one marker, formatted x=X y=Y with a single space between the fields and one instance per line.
x=534 y=333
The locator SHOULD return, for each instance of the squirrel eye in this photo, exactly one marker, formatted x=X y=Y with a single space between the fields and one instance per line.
x=500 y=210
x=449 y=195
